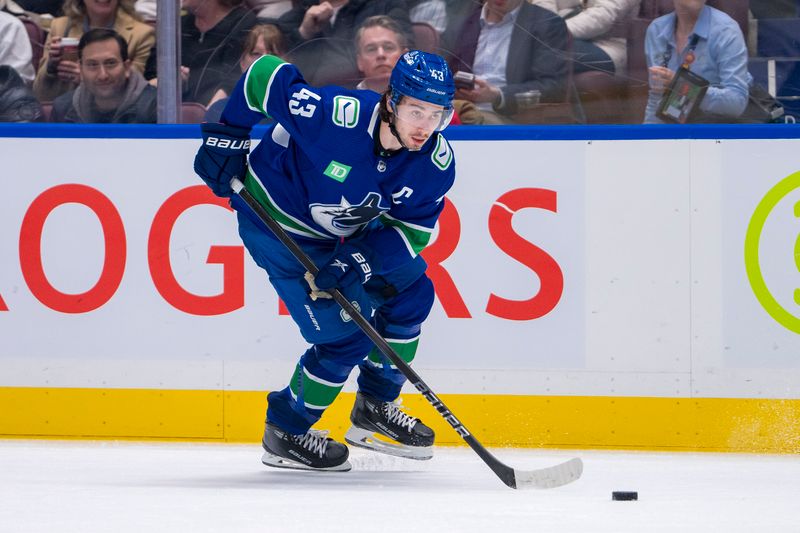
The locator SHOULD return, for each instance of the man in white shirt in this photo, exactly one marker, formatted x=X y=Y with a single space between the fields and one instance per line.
x=15 y=47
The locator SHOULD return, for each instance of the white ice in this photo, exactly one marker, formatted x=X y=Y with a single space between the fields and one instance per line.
x=83 y=486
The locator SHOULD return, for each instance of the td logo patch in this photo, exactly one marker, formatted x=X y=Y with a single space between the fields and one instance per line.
x=337 y=171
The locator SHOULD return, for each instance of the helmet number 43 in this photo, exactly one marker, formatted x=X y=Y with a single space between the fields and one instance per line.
x=437 y=74
x=304 y=110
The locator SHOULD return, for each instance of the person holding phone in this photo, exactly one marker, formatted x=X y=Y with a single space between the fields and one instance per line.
x=511 y=47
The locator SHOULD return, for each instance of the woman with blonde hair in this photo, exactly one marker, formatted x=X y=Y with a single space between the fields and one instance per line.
x=58 y=74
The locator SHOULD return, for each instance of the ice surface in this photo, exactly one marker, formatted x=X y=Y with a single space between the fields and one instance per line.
x=83 y=486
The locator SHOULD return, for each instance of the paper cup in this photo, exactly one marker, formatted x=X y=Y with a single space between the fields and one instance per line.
x=69 y=49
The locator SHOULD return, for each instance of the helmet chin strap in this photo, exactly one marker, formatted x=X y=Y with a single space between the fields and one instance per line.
x=396 y=134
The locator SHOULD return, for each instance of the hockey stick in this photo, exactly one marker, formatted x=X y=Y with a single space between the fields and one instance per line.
x=543 y=478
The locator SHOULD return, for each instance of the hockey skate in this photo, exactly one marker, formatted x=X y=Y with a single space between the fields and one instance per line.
x=312 y=451
x=383 y=427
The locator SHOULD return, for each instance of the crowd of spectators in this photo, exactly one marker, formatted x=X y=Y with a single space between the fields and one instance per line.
x=517 y=61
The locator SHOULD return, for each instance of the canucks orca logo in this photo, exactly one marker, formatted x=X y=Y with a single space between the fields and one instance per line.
x=344 y=219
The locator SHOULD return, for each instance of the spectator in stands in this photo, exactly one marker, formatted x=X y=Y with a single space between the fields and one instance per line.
x=263 y=39
x=320 y=36
x=17 y=102
x=379 y=42
x=711 y=44
x=213 y=33
x=15 y=48
x=433 y=12
x=111 y=90
x=57 y=75
x=511 y=47
x=598 y=31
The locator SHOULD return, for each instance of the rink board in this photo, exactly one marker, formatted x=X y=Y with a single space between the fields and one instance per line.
x=596 y=287
x=699 y=424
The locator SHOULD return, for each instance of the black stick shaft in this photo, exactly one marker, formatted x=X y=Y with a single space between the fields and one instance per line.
x=505 y=473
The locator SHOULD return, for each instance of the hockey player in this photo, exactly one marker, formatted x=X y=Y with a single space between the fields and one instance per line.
x=358 y=179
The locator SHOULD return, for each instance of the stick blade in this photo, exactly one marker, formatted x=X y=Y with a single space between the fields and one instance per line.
x=550 y=477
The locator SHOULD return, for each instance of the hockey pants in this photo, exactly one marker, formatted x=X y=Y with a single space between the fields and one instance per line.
x=323 y=369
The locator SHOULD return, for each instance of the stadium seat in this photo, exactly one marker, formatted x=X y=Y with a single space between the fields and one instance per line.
x=192 y=113
x=426 y=38
x=37 y=37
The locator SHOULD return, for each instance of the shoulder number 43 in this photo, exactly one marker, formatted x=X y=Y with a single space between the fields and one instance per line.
x=304 y=110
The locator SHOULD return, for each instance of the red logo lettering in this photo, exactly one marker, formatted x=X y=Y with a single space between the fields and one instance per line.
x=30 y=252
x=231 y=257
x=550 y=276
x=439 y=250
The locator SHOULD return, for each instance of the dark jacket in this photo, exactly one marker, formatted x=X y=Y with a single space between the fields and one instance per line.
x=330 y=57
x=17 y=102
x=212 y=57
x=138 y=105
x=537 y=57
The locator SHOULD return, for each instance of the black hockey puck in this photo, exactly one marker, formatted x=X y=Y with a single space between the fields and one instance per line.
x=624 y=496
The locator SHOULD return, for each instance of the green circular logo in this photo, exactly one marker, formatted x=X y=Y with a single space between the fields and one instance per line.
x=751 y=252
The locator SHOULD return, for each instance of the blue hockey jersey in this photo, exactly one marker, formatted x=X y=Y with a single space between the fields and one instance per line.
x=317 y=173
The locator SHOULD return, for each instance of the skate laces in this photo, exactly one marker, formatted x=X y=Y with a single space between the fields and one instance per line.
x=396 y=416
x=315 y=441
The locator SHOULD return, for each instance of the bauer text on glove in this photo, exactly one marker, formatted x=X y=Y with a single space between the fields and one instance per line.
x=348 y=266
x=222 y=156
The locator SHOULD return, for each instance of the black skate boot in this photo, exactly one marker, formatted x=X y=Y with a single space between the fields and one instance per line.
x=311 y=451
x=383 y=427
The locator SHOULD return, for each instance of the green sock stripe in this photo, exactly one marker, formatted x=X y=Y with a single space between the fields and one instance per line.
x=406 y=351
x=317 y=393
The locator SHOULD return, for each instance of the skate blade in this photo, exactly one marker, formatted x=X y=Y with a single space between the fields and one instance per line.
x=364 y=438
x=277 y=461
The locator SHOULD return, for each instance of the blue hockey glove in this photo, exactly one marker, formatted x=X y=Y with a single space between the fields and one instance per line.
x=222 y=156
x=348 y=267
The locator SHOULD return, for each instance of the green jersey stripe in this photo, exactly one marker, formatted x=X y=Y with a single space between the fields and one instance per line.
x=287 y=222
x=317 y=393
x=414 y=239
x=321 y=381
x=258 y=82
x=406 y=349
x=415 y=227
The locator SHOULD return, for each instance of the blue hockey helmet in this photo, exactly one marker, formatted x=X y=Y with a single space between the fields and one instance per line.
x=423 y=76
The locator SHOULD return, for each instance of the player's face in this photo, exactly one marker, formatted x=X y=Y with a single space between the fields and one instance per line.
x=378 y=52
x=103 y=72
x=417 y=120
